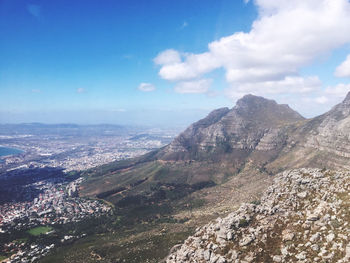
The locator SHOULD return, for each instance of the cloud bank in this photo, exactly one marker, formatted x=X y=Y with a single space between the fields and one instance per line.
x=286 y=36
x=343 y=70
x=195 y=86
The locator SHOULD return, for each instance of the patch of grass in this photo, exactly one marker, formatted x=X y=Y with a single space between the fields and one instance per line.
x=3 y=257
x=255 y=202
x=243 y=222
x=335 y=223
x=21 y=240
x=197 y=203
x=40 y=230
x=119 y=247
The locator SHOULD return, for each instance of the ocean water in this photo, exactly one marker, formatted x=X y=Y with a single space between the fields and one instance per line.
x=9 y=151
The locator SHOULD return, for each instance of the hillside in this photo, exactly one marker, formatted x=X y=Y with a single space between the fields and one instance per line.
x=322 y=142
x=217 y=163
x=302 y=217
x=208 y=152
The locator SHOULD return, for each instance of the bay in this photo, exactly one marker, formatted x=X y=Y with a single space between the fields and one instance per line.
x=9 y=151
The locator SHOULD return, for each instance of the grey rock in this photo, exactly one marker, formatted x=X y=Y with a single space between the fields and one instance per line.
x=299 y=233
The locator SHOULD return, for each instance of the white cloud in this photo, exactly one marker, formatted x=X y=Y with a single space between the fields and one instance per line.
x=321 y=99
x=80 y=90
x=324 y=99
x=193 y=67
x=146 y=87
x=339 y=90
x=195 y=86
x=34 y=10
x=292 y=84
x=343 y=70
x=167 y=57
x=286 y=36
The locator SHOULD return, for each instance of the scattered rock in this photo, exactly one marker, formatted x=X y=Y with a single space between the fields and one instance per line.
x=330 y=237
x=303 y=214
x=302 y=195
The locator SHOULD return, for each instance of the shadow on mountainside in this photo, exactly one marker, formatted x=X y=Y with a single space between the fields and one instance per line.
x=23 y=185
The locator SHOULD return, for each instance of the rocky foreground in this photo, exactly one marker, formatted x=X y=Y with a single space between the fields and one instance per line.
x=303 y=217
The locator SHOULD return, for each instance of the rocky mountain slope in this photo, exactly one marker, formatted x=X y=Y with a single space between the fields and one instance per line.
x=303 y=217
x=333 y=131
x=322 y=141
x=255 y=123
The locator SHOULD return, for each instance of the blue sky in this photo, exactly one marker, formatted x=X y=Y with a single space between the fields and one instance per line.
x=118 y=61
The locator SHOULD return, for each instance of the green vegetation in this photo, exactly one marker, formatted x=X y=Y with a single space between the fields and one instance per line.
x=114 y=248
x=224 y=144
x=116 y=238
x=21 y=240
x=157 y=204
x=2 y=257
x=243 y=223
x=40 y=230
x=255 y=202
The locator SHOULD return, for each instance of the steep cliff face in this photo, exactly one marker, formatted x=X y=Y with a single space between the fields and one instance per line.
x=194 y=134
x=323 y=141
x=254 y=123
x=333 y=132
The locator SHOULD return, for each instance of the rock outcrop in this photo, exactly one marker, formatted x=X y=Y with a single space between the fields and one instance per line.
x=303 y=217
x=333 y=132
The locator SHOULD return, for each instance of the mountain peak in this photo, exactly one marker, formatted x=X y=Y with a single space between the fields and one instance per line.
x=251 y=99
x=260 y=108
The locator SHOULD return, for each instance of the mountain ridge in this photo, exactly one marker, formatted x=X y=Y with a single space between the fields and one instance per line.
x=241 y=127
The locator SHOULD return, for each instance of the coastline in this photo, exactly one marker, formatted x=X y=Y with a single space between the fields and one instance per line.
x=9 y=151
